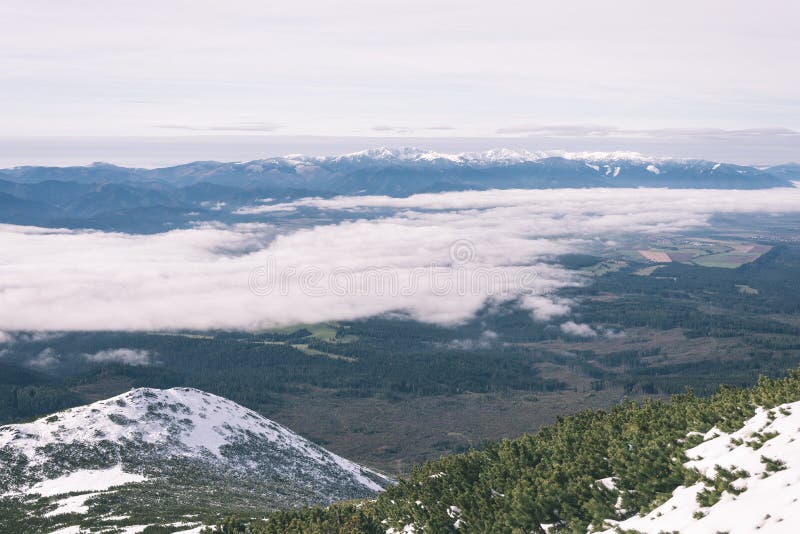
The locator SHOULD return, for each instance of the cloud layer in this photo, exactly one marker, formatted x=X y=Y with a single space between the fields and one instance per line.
x=135 y=357
x=439 y=258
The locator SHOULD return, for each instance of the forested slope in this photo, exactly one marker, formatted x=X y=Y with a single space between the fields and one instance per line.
x=569 y=477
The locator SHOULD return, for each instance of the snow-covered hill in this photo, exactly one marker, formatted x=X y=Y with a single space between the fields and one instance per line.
x=146 y=441
x=751 y=481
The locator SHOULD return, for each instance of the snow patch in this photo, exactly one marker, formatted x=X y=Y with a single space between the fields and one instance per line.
x=767 y=447
x=84 y=480
x=653 y=169
x=72 y=505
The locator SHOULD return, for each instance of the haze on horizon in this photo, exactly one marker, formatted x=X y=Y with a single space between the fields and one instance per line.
x=157 y=83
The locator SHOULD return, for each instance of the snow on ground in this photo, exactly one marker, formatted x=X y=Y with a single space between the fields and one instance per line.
x=72 y=505
x=408 y=529
x=494 y=156
x=770 y=502
x=84 y=480
x=653 y=169
x=187 y=421
x=75 y=529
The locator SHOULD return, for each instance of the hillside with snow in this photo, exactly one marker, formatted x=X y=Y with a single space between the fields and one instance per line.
x=750 y=481
x=729 y=462
x=185 y=450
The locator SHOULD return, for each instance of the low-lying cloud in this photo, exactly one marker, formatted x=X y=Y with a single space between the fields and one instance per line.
x=10 y=338
x=572 y=328
x=134 y=357
x=44 y=360
x=254 y=276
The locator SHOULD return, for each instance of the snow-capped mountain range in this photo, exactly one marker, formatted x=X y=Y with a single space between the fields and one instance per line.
x=326 y=172
x=106 y=196
x=147 y=440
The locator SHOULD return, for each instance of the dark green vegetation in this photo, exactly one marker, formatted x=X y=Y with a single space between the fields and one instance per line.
x=184 y=491
x=552 y=477
x=391 y=393
x=759 y=328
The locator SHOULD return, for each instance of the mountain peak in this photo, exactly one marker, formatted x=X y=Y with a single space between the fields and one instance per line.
x=145 y=431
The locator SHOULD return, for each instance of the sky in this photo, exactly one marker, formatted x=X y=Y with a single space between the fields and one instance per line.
x=116 y=80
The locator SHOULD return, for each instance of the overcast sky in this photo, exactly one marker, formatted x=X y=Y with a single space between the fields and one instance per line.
x=602 y=73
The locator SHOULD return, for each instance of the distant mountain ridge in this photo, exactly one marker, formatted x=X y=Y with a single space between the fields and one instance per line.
x=327 y=172
x=183 y=443
x=106 y=196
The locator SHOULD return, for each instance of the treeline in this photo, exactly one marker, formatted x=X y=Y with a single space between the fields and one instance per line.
x=250 y=371
x=550 y=478
x=24 y=402
x=664 y=314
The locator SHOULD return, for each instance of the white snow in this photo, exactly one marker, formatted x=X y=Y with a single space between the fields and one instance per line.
x=407 y=529
x=188 y=422
x=72 y=505
x=84 y=480
x=653 y=169
x=771 y=501
x=135 y=529
x=607 y=483
x=498 y=156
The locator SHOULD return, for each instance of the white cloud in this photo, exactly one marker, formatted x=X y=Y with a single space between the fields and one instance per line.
x=213 y=206
x=487 y=339
x=578 y=329
x=135 y=357
x=614 y=334
x=545 y=308
x=45 y=359
x=203 y=277
x=597 y=206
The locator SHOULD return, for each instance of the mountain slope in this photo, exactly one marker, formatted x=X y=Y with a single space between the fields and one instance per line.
x=751 y=481
x=683 y=465
x=179 y=447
